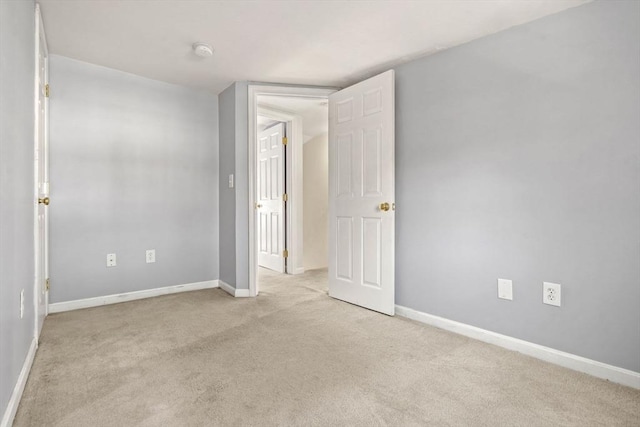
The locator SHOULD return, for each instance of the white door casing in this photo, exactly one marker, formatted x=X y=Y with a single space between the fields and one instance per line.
x=270 y=203
x=41 y=175
x=294 y=184
x=361 y=182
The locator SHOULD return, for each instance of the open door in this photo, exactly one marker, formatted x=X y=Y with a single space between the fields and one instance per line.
x=362 y=194
x=270 y=205
x=41 y=164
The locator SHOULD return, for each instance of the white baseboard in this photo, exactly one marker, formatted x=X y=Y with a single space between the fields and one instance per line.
x=227 y=288
x=129 y=296
x=299 y=270
x=238 y=293
x=14 y=401
x=567 y=360
x=242 y=293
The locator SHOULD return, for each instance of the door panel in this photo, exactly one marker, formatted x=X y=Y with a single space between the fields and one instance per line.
x=371 y=244
x=344 y=248
x=344 y=150
x=270 y=203
x=361 y=181
x=371 y=163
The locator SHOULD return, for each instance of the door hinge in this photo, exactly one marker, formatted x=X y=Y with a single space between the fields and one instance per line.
x=47 y=284
x=285 y=197
x=284 y=140
x=46 y=90
x=285 y=253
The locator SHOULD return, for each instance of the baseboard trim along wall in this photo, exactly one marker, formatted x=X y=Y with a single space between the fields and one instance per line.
x=567 y=360
x=59 y=307
x=238 y=293
x=14 y=401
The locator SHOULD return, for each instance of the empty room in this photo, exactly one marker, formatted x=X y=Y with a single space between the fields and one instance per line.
x=319 y=213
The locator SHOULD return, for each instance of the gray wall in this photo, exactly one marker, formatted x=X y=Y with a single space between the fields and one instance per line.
x=234 y=206
x=227 y=213
x=17 y=71
x=242 y=188
x=134 y=166
x=315 y=207
x=518 y=157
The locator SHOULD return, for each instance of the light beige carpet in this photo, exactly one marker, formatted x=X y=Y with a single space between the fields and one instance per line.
x=293 y=356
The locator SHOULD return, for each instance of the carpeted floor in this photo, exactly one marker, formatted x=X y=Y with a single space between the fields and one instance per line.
x=293 y=356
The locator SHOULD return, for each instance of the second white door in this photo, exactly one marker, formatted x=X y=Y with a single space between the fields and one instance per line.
x=271 y=185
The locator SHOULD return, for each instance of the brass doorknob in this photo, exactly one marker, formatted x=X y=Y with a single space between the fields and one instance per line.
x=385 y=207
x=44 y=201
x=258 y=205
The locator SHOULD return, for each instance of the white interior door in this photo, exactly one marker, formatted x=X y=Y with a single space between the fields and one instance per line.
x=270 y=205
x=41 y=160
x=361 y=194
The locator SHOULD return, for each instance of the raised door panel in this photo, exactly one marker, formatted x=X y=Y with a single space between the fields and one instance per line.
x=371 y=253
x=371 y=163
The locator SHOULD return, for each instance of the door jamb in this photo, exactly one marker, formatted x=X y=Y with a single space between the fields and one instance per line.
x=296 y=162
x=40 y=35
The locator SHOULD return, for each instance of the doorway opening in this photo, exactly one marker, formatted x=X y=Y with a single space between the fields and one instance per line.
x=288 y=128
x=291 y=244
x=361 y=190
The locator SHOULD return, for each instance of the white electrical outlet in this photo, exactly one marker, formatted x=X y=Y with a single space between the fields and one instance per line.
x=111 y=260
x=151 y=255
x=551 y=293
x=22 y=303
x=231 y=181
x=505 y=289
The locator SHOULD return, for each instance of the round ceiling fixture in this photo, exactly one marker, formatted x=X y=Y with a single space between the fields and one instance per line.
x=202 y=49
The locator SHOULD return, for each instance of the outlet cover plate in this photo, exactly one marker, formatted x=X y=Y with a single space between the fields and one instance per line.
x=505 y=289
x=151 y=256
x=551 y=293
x=111 y=260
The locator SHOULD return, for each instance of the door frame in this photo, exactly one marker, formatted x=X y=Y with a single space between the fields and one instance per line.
x=38 y=281
x=294 y=185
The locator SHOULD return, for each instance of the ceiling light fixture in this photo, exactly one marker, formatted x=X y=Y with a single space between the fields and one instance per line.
x=202 y=49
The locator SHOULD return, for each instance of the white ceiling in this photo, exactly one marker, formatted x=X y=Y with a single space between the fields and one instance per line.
x=314 y=113
x=332 y=43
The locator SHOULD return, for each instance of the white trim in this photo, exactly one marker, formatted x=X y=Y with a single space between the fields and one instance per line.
x=36 y=191
x=242 y=293
x=14 y=401
x=237 y=293
x=299 y=270
x=557 y=357
x=129 y=296
x=41 y=264
x=47 y=182
x=254 y=90
x=227 y=288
